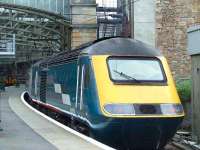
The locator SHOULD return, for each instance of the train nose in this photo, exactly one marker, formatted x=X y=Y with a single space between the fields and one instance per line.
x=138 y=133
x=142 y=137
x=148 y=134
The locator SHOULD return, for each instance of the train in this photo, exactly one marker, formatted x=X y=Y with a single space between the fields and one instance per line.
x=119 y=89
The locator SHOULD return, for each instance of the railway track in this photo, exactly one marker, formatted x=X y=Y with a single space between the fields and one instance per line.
x=182 y=141
x=177 y=146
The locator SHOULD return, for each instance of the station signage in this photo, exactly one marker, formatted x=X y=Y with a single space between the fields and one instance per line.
x=7 y=47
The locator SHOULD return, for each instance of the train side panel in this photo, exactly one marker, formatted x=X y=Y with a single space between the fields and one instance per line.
x=61 y=89
x=61 y=86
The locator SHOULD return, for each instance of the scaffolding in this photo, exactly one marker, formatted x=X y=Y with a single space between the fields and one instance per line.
x=115 y=18
x=0 y=114
x=109 y=19
x=2 y=89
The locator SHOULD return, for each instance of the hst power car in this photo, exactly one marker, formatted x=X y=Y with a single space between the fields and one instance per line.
x=120 y=89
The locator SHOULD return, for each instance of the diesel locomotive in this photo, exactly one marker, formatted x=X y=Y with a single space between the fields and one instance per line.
x=119 y=88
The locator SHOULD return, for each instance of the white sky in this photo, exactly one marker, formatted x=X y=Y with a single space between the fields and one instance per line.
x=108 y=3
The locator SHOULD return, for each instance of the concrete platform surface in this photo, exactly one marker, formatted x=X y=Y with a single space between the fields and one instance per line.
x=16 y=135
x=23 y=129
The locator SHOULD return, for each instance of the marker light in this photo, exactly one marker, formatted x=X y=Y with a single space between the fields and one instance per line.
x=120 y=109
x=171 y=109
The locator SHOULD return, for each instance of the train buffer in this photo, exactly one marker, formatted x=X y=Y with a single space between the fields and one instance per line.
x=25 y=129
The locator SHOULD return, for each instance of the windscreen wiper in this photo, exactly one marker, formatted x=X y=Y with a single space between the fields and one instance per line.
x=126 y=76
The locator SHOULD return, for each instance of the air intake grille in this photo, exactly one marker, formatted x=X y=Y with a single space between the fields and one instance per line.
x=43 y=84
x=148 y=109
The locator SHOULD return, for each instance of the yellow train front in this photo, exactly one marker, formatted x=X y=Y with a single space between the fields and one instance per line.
x=137 y=96
x=119 y=89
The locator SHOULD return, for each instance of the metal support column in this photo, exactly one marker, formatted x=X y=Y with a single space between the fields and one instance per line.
x=0 y=113
x=2 y=89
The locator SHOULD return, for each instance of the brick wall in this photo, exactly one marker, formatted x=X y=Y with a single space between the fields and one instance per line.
x=173 y=17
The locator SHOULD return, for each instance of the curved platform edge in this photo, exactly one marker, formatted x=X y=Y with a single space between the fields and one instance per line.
x=83 y=137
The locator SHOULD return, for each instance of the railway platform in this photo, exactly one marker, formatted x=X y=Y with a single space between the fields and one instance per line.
x=24 y=129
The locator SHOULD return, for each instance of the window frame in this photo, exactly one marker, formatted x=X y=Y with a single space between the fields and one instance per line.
x=140 y=82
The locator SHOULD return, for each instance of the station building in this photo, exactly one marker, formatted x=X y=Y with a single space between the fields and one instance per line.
x=164 y=24
x=34 y=29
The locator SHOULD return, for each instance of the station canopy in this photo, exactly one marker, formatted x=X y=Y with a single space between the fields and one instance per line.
x=29 y=30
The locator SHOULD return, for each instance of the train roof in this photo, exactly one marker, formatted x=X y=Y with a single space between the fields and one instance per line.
x=108 y=46
x=120 y=46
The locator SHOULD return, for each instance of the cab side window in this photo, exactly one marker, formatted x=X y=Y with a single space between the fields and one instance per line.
x=86 y=77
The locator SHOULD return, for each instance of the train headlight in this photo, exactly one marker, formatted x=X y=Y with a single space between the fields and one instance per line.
x=172 y=109
x=120 y=109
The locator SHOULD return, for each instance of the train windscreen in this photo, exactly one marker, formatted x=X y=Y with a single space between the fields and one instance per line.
x=127 y=69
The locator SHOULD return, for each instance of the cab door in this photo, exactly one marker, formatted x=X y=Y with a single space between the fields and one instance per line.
x=81 y=89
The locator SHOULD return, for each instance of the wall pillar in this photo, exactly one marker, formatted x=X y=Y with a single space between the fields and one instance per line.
x=193 y=47
x=84 y=22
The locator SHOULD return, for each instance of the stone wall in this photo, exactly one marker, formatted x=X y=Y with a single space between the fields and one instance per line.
x=173 y=17
x=144 y=21
x=84 y=22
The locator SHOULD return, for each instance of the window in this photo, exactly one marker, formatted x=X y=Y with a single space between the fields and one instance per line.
x=36 y=83
x=137 y=70
x=82 y=87
x=87 y=77
x=53 y=5
x=60 y=5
